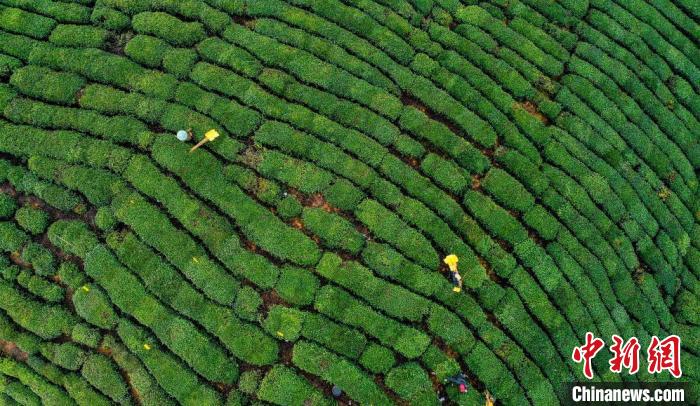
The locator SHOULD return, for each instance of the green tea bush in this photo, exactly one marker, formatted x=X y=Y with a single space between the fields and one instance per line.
x=70 y=274
x=336 y=337
x=387 y=226
x=408 y=381
x=282 y=386
x=213 y=229
x=333 y=54
x=94 y=306
x=109 y=18
x=333 y=369
x=41 y=287
x=256 y=222
x=106 y=68
x=394 y=300
x=64 y=13
x=169 y=28
x=25 y=340
x=45 y=84
x=40 y=257
x=284 y=323
x=7 y=206
x=156 y=230
x=297 y=286
x=228 y=55
x=343 y=195
x=446 y=173
x=345 y=113
x=449 y=328
x=289 y=207
x=48 y=392
x=298 y=174
x=46 y=321
x=21 y=394
x=31 y=219
x=101 y=372
x=314 y=70
x=544 y=223
x=66 y=355
x=86 y=335
x=267 y=190
x=335 y=231
x=377 y=359
x=208 y=359
x=127 y=293
x=176 y=379
x=464 y=153
x=507 y=191
x=117 y=128
x=66 y=145
x=105 y=219
x=17 y=46
x=496 y=219
x=146 y=50
x=323 y=154
x=527 y=172
x=11 y=238
x=440 y=363
x=26 y=23
x=136 y=373
x=409 y=147
x=340 y=305
x=79 y=36
x=179 y=61
x=248 y=382
x=247 y=303
x=246 y=341
x=7 y=65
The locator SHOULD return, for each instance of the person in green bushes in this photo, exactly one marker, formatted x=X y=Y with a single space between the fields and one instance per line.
x=460 y=380
x=456 y=279
x=184 y=135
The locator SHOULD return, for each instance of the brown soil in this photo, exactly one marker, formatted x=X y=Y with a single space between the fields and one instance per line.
x=244 y=20
x=296 y=223
x=492 y=318
x=105 y=351
x=476 y=182
x=535 y=237
x=491 y=273
x=533 y=109
x=250 y=246
x=16 y=258
x=287 y=352
x=79 y=95
x=271 y=298
x=11 y=350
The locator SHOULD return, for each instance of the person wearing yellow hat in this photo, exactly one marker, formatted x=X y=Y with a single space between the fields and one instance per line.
x=489 y=399
x=210 y=135
x=456 y=279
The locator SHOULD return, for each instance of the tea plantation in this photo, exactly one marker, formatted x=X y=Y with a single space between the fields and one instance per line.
x=553 y=146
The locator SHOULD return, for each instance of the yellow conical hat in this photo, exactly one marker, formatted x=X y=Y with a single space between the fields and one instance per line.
x=451 y=261
x=211 y=135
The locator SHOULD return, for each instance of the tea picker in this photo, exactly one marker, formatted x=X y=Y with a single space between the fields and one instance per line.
x=489 y=399
x=460 y=380
x=336 y=391
x=184 y=135
x=210 y=135
x=456 y=279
